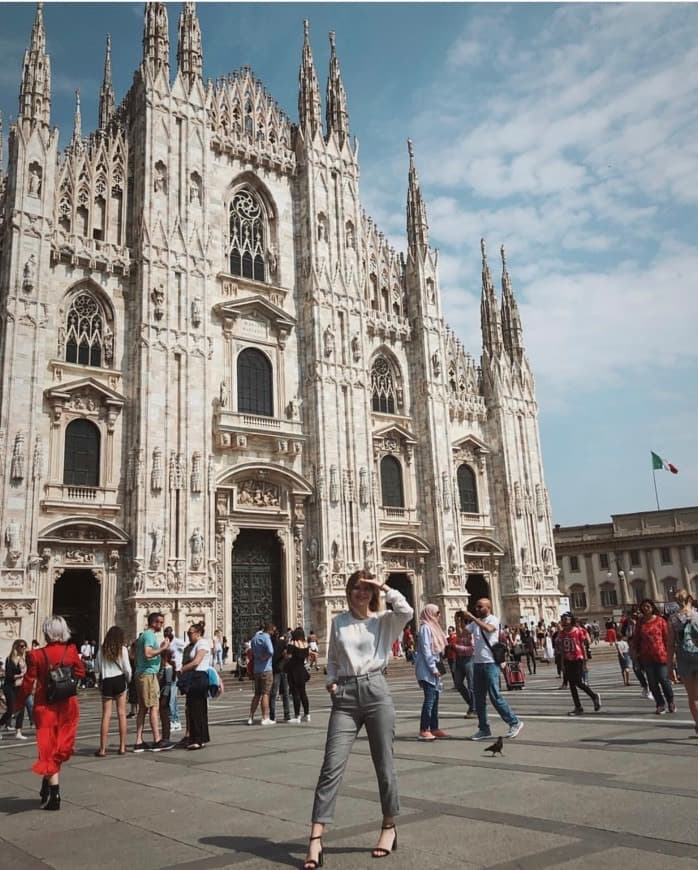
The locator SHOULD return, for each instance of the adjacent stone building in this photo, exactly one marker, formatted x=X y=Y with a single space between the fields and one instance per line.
x=223 y=390
x=607 y=566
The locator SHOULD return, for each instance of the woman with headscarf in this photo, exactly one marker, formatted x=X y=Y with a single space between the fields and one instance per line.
x=56 y=721
x=428 y=665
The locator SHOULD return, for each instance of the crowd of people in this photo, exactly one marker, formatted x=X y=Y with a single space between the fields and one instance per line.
x=660 y=648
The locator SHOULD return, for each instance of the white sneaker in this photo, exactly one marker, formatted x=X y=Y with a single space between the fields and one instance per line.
x=268 y=722
x=20 y=736
x=306 y=718
x=250 y=721
x=645 y=693
x=176 y=726
x=515 y=730
x=296 y=720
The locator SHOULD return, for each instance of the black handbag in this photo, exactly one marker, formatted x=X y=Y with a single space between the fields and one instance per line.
x=499 y=651
x=441 y=665
x=185 y=681
x=60 y=682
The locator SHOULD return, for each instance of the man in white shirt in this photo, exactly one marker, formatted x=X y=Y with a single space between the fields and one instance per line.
x=486 y=671
x=177 y=646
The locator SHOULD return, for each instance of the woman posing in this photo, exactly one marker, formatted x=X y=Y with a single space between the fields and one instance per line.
x=15 y=668
x=649 y=644
x=57 y=721
x=431 y=642
x=686 y=661
x=360 y=642
x=113 y=670
x=297 y=653
x=197 y=659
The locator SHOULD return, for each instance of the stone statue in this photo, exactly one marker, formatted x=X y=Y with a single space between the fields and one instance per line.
x=138 y=578
x=356 y=347
x=197 y=549
x=329 y=341
x=29 y=274
x=196 y=311
x=313 y=551
x=34 y=180
x=223 y=395
x=12 y=536
x=156 y=552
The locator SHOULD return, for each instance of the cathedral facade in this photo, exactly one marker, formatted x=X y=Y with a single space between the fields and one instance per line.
x=223 y=390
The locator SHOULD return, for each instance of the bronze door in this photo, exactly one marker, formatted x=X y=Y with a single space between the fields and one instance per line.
x=76 y=598
x=256 y=587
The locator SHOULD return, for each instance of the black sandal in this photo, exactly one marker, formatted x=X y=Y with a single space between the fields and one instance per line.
x=311 y=863
x=380 y=851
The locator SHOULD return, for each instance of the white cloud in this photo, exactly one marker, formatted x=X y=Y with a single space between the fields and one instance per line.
x=464 y=52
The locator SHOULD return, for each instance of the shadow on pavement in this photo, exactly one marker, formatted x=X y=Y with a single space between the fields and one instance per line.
x=287 y=854
x=10 y=806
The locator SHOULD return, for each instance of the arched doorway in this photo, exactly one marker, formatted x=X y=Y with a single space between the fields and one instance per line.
x=401 y=581
x=256 y=584
x=76 y=597
x=476 y=587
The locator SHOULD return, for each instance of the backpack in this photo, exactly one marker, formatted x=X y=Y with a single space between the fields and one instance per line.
x=689 y=644
x=60 y=681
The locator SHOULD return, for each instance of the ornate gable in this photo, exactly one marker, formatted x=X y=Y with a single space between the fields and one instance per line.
x=255 y=317
x=86 y=396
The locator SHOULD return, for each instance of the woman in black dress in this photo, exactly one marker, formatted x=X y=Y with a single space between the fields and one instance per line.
x=297 y=653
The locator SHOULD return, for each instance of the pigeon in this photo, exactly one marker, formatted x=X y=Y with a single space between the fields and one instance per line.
x=496 y=747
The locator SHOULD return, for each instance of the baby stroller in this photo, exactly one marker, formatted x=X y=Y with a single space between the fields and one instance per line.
x=90 y=679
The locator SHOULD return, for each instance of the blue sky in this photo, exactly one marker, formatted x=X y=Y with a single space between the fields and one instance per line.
x=567 y=132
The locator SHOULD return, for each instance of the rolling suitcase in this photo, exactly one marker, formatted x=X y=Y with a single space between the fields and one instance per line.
x=514 y=675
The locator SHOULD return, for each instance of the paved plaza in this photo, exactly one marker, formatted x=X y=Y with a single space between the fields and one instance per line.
x=615 y=788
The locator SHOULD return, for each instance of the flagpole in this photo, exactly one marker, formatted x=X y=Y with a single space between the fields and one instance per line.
x=654 y=478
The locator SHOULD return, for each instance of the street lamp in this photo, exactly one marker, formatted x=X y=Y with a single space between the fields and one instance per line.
x=622 y=577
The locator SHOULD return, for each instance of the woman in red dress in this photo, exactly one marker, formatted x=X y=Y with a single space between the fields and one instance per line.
x=56 y=723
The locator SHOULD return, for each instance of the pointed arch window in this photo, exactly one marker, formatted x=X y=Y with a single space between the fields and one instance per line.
x=81 y=457
x=382 y=386
x=255 y=394
x=467 y=490
x=88 y=338
x=391 y=482
x=247 y=236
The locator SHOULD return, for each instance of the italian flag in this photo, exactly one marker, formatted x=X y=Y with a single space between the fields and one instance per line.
x=658 y=463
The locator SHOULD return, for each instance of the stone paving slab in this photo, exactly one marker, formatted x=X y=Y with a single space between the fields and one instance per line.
x=614 y=789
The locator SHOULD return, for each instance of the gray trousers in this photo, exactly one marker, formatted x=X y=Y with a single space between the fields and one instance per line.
x=358 y=701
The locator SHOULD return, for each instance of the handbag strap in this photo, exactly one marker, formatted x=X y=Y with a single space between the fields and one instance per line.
x=485 y=636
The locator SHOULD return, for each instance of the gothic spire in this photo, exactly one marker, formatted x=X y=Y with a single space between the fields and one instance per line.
x=309 y=108
x=511 y=319
x=35 y=91
x=337 y=116
x=489 y=310
x=106 y=94
x=189 y=51
x=77 y=122
x=156 y=38
x=417 y=227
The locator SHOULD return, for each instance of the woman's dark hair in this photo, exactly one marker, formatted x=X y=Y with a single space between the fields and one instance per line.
x=650 y=602
x=112 y=644
x=298 y=634
x=198 y=627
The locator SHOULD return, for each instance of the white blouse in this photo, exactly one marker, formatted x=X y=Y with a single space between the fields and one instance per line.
x=358 y=646
x=104 y=668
